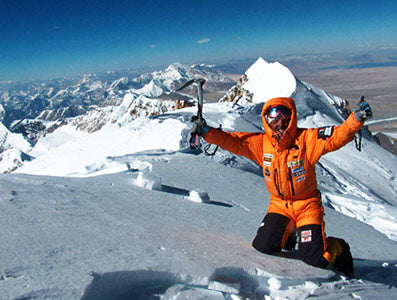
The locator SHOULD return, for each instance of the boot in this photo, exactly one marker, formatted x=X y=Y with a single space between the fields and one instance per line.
x=342 y=257
x=344 y=262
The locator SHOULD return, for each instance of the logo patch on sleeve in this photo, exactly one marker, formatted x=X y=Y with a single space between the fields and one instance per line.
x=325 y=132
x=306 y=236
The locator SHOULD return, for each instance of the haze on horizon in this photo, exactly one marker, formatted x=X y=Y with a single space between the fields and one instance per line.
x=45 y=39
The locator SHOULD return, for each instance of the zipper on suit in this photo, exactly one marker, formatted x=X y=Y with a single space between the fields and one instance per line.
x=292 y=182
x=276 y=183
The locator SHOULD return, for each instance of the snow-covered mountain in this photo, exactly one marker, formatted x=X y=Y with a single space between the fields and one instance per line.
x=79 y=139
x=13 y=149
x=126 y=129
x=63 y=98
x=164 y=221
x=156 y=84
x=90 y=102
x=2 y=113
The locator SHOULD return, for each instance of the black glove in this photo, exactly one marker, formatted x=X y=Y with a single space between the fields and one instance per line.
x=199 y=127
x=363 y=111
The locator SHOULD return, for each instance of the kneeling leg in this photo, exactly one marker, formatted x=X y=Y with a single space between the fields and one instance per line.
x=273 y=233
x=312 y=245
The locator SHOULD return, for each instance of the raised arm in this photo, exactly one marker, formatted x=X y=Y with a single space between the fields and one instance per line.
x=326 y=139
x=247 y=144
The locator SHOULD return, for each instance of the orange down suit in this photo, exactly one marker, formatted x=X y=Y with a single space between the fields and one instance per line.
x=289 y=163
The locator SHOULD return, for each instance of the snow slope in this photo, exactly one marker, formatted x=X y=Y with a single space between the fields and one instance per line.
x=106 y=237
x=163 y=221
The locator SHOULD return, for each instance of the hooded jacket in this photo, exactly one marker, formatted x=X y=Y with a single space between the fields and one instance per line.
x=289 y=163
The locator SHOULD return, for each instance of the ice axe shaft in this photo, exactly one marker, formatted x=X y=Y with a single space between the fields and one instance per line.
x=199 y=82
x=199 y=85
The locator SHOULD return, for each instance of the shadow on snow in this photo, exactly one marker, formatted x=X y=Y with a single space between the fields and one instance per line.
x=147 y=284
x=150 y=284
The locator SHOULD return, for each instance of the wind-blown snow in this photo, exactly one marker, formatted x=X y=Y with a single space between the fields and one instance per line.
x=87 y=155
x=167 y=222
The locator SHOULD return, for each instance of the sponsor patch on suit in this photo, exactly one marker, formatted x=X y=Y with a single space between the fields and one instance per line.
x=297 y=170
x=295 y=163
x=325 y=132
x=306 y=236
x=267 y=173
x=267 y=159
x=299 y=173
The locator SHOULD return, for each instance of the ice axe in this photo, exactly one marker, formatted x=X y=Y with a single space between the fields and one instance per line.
x=358 y=136
x=198 y=82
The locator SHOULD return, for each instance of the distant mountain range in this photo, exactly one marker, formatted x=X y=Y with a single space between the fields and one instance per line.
x=25 y=107
x=37 y=108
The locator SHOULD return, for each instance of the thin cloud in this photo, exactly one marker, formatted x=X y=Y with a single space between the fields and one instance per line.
x=153 y=46
x=203 y=41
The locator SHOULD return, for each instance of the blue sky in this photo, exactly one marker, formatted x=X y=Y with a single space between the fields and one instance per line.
x=44 y=39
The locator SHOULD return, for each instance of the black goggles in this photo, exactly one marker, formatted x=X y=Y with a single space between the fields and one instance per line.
x=277 y=112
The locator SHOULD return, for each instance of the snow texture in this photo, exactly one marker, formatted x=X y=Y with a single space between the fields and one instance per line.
x=130 y=212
